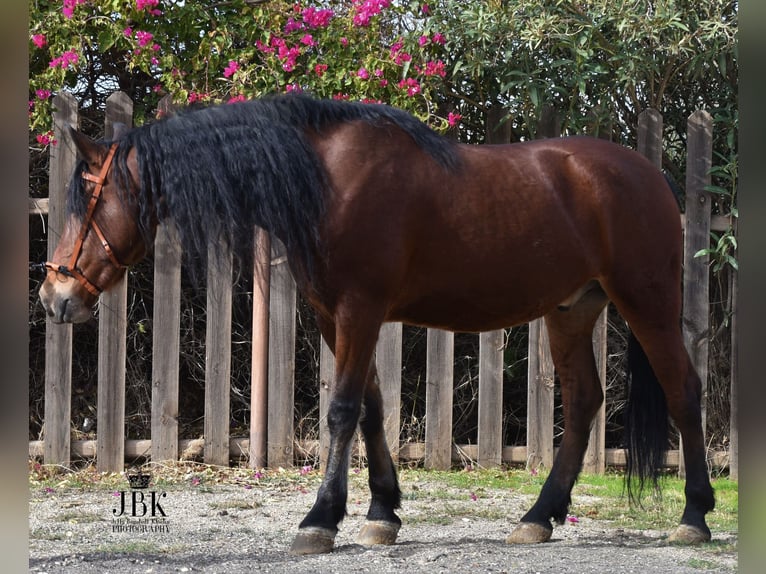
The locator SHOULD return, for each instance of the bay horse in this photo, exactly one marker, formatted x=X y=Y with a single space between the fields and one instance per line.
x=385 y=220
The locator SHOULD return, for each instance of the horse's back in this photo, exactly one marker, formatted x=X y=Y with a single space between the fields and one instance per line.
x=504 y=237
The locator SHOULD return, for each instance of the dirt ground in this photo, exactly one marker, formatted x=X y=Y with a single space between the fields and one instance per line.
x=229 y=528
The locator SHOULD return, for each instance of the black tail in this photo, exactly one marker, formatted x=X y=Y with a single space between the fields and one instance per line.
x=646 y=424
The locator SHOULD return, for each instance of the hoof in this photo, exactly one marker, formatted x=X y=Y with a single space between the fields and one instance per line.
x=687 y=534
x=313 y=540
x=529 y=533
x=378 y=532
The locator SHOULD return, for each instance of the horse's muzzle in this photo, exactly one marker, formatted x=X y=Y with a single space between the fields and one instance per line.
x=61 y=302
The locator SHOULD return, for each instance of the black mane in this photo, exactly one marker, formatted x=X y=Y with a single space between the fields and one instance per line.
x=221 y=170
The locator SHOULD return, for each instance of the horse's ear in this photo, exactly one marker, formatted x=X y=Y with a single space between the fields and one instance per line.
x=119 y=130
x=88 y=150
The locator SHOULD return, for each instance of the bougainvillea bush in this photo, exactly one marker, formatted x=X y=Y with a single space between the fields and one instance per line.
x=369 y=50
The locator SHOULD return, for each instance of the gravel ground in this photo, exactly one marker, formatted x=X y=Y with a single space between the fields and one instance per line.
x=227 y=528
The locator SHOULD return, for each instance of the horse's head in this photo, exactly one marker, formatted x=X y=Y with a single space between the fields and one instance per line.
x=100 y=238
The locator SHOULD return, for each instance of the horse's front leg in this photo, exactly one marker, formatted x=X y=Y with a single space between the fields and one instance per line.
x=354 y=346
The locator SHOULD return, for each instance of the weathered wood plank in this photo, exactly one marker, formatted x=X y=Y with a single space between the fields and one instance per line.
x=259 y=387
x=490 y=433
x=388 y=362
x=218 y=357
x=414 y=451
x=594 y=461
x=440 y=352
x=650 y=136
x=112 y=333
x=166 y=342
x=282 y=303
x=540 y=377
x=696 y=289
x=58 y=338
x=326 y=381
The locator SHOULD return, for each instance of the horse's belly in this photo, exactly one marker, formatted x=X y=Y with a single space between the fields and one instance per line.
x=478 y=308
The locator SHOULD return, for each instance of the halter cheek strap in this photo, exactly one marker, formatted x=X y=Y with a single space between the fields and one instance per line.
x=71 y=270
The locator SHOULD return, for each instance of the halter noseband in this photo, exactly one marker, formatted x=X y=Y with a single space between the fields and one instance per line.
x=71 y=269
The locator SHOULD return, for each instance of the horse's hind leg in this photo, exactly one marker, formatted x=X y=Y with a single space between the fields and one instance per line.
x=662 y=344
x=382 y=524
x=570 y=332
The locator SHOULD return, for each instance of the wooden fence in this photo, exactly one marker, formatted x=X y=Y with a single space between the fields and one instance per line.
x=271 y=441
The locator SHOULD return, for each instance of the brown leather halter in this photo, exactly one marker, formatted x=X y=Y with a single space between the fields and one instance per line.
x=71 y=269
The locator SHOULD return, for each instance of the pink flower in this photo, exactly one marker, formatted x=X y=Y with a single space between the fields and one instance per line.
x=69 y=6
x=438 y=38
x=127 y=32
x=39 y=40
x=366 y=9
x=453 y=119
x=435 y=69
x=297 y=89
x=144 y=4
x=412 y=86
x=314 y=18
x=46 y=139
x=425 y=9
x=292 y=25
x=308 y=40
x=230 y=69
x=43 y=94
x=197 y=97
x=263 y=47
x=363 y=73
x=320 y=69
x=344 y=41
x=397 y=55
x=423 y=40
x=144 y=38
x=238 y=98
x=64 y=60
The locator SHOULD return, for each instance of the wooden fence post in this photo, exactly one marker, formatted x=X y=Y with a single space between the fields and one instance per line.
x=388 y=362
x=282 y=305
x=490 y=415
x=699 y=157
x=58 y=338
x=259 y=387
x=326 y=381
x=594 y=460
x=166 y=342
x=218 y=356
x=112 y=332
x=490 y=433
x=166 y=334
x=540 y=377
x=440 y=353
x=540 y=371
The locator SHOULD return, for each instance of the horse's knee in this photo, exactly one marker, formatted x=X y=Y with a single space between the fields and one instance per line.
x=343 y=416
